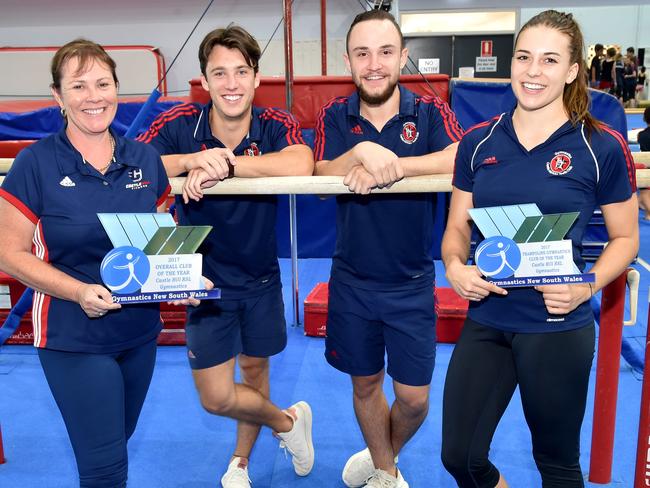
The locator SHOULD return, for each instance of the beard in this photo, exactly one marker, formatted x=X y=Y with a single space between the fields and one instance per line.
x=377 y=98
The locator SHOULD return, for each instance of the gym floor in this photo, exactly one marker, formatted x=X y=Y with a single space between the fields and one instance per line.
x=179 y=445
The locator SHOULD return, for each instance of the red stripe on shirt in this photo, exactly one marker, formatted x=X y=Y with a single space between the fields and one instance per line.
x=164 y=196
x=166 y=117
x=448 y=117
x=319 y=130
x=293 y=127
x=22 y=208
x=482 y=124
x=629 y=161
x=41 y=305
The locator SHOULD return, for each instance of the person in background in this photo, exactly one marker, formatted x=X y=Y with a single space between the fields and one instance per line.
x=640 y=82
x=619 y=70
x=596 y=67
x=97 y=356
x=629 y=80
x=608 y=73
x=540 y=339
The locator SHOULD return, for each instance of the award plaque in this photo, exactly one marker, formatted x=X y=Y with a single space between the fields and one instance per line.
x=522 y=247
x=153 y=259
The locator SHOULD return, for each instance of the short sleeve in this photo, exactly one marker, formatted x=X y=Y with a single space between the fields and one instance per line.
x=444 y=126
x=617 y=178
x=329 y=142
x=163 y=188
x=463 y=174
x=21 y=187
x=163 y=134
x=285 y=129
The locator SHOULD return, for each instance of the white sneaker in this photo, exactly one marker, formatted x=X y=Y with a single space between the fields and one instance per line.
x=298 y=440
x=358 y=469
x=236 y=476
x=381 y=479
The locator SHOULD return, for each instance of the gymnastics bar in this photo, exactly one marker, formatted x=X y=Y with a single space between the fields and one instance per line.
x=612 y=310
x=333 y=185
x=642 y=471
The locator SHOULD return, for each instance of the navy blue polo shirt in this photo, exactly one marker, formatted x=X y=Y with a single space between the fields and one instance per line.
x=50 y=184
x=240 y=254
x=498 y=170
x=384 y=242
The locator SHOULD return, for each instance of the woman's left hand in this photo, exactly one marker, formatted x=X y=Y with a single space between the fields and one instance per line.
x=562 y=299
x=193 y=301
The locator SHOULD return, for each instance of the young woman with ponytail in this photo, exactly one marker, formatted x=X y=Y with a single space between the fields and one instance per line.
x=549 y=151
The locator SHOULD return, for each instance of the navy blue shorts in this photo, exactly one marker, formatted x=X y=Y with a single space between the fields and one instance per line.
x=218 y=330
x=364 y=325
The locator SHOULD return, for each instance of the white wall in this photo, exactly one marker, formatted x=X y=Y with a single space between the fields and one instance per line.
x=625 y=25
x=166 y=26
x=166 y=23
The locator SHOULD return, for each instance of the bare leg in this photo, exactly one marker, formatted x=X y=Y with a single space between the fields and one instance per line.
x=373 y=415
x=220 y=395
x=408 y=412
x=502 y=483
x=255 y=374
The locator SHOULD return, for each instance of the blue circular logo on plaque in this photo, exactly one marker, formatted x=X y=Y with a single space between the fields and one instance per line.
x=497 y=257
x=125 y=269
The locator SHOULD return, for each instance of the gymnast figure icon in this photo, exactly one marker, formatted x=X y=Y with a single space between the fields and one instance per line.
x=130 y=265
x=485 y=257
x=115 y=277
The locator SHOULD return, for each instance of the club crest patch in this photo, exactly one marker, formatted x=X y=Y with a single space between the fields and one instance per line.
x=560 y=164
x=409 y=133
x=253 y=150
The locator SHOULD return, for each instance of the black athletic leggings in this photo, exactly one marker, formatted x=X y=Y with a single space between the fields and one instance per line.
x=552 y=371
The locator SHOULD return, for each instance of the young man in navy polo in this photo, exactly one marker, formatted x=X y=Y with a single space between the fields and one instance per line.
x=231 y=137
x=382 y=274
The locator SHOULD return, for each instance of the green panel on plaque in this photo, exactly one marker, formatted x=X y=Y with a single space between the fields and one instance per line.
x=562 y=226
x=541 y=233
x=175 y=240
x=526 y=229
x=194 y=239
x=158 y=240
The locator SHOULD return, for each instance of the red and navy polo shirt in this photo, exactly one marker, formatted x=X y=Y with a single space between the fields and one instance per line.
x=572 y=171
x=60 y=194
x=240 y=254
x=384 y=242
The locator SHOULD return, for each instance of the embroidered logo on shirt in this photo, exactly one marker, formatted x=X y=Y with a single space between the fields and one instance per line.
x=490 y=160
x=253 y=150
x=409 y=133
x=135 y=175
x=138 y=184
x=357 y=130
x=67 y=182
x=560 y=164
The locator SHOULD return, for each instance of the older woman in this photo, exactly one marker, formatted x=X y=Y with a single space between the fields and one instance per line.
x=97 y=356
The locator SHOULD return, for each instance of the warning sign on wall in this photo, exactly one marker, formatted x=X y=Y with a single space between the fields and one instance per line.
x=429 y=66
x=486 y=49
x=486 y=64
